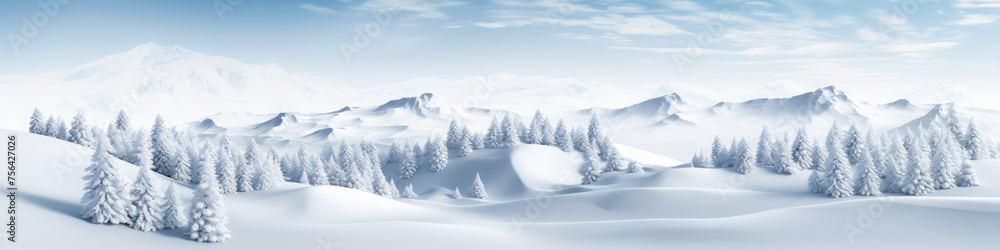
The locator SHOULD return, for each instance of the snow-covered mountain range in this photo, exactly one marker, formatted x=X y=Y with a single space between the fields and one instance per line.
x=210 y=95
x=150 y=77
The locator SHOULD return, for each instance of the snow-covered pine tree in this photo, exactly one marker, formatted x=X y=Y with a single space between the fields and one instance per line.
x=942 y=167
x=819 y=154
x=182 y=171
x=478 y=190
x=335 y=172
x=304 y=176
x=522 y=129
x=37 y=123
x=409 y=166
x=208 y=215
x=254 y=162
x=61 y=132
x=876 y=152
x=895 y=165
x=535 y=129
x=833 y=135
x=146 y=199
x=79 y=132
x=350 y=165
x=745 y=159
x=548 y=133
x=493 y=134
x=854 y=144
x=869 y=183
x=317 y=172
x=105 y=199
x=561 y=137
x=190 y=146
x=365 y=170
x=784 y=163
x=439 y=157
x=604 y=147
x=839 y=179
x=287 y=165
x=395 y=153
x=416 y=149
x=579 y=137
x=408 y=192
x=99 y=137
x=116 y=142
x=371 y=153
x=477 y=141
x=269 y=174
x=208 y=156
x=50 y=127
x=718 y=153
x=207 y=163
x=429 y=145
x=817 y=177
x=173 y=209
x=696 y=161
x=918 y=179
x=953 y=124
x=226 y=172
x=634 y=167
x=974 y=142
x=764 y=150
x=244 y=174
x=615 y=161
x=509 y=133
x=596 y=130
x=163 y=150
x=457 y=194
x=591 y=172
x=967 y=176
x=393 y=188
x=454 y=135
x=379 y=184
x=465 y=148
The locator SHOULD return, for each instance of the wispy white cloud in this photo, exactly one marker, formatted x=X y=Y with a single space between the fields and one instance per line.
x=683 y=5
x=977 y=3
x=419 y=8
x=813 y=49
x=917 y=47
x=670 y=50
x=637 y=25
x=972 y=19
x=627 y=8
x=647 y=25
x=868 y=34
x=318 y=9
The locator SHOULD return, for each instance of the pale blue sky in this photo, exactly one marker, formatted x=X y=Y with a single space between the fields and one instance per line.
x=918 y=44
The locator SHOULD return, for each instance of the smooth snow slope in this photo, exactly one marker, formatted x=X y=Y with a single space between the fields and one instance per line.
x=666 y=207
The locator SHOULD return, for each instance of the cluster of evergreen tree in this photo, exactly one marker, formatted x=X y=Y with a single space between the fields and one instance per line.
x=357 y=166
x=912 y=162
x=176 y=154
x=510 y=131
x=108 y=199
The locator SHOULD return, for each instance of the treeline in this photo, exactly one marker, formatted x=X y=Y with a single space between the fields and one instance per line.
x=912 y=162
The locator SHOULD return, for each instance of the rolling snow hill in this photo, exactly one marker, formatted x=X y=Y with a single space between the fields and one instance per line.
x=666 y=207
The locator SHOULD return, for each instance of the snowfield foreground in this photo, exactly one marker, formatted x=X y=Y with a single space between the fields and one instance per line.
x=535 y=203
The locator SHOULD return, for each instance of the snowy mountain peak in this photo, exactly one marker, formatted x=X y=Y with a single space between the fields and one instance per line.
x=660 y=106
x=152 y=51
x=898 y=104
x=423 y=105
x=934 y=117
